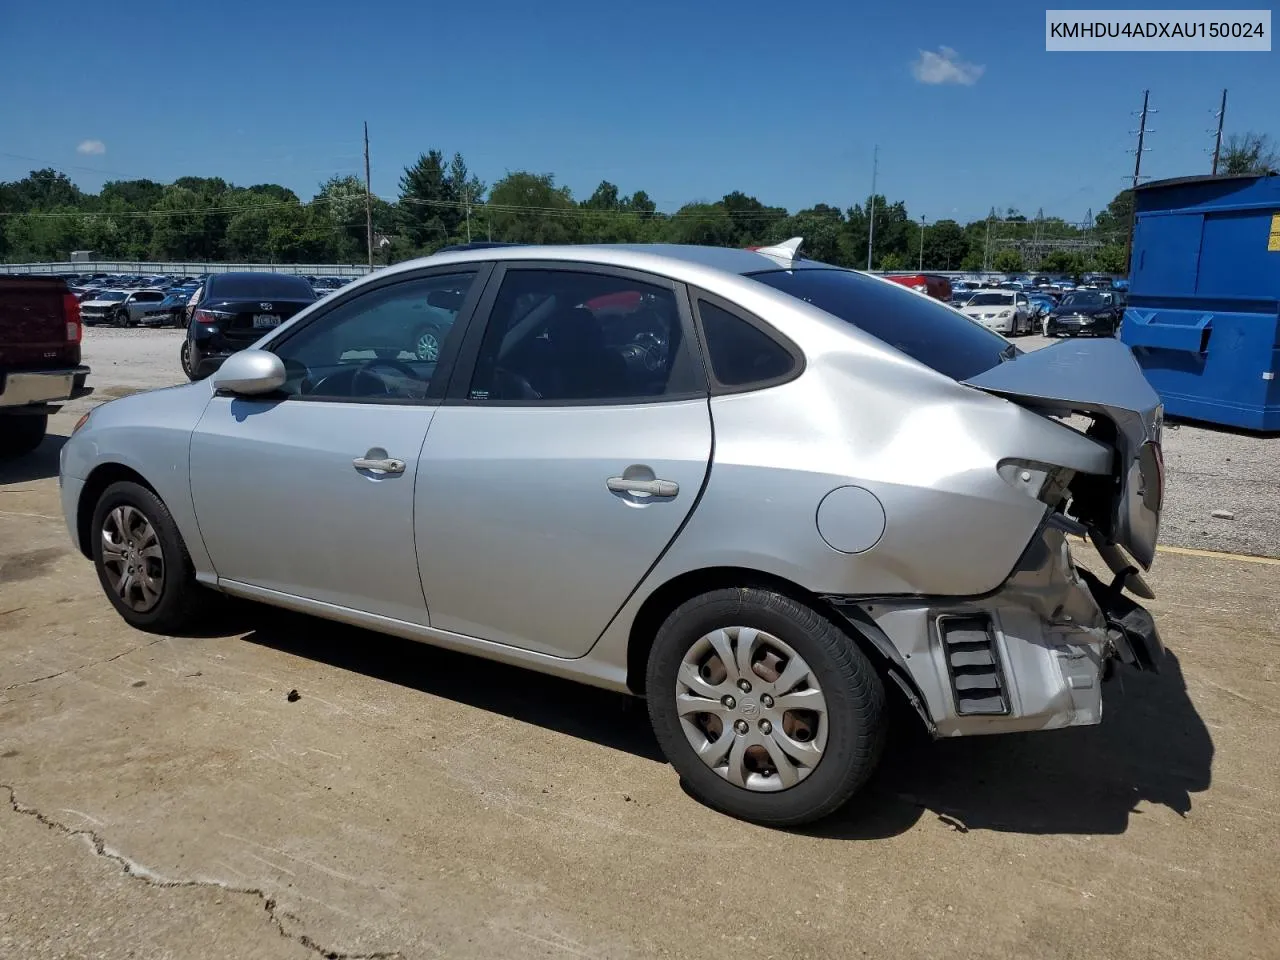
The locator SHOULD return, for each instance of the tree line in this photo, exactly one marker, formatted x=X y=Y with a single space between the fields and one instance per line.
x=45 y=216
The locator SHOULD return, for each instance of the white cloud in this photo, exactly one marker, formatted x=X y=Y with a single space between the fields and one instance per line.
x=945 y=66
x=91 y=147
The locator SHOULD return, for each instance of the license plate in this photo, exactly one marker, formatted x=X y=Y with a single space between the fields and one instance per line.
x=263 y=320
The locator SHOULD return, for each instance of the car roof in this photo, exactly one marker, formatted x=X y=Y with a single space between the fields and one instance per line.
x=675 y=258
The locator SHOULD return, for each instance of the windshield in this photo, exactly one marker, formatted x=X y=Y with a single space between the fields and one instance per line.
x=990 y=300
x=111 y=296
x=266 y=286
x=1086 y=298
x=920 y=327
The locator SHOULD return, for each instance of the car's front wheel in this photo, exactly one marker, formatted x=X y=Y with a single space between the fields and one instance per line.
x=142 y=562
x=766 y=709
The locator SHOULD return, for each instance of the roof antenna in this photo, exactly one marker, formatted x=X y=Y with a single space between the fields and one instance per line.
x=788 y=250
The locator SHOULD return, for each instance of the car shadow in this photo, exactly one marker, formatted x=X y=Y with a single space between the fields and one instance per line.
x=587 y=713
x=1151 y=747
x=39 y=464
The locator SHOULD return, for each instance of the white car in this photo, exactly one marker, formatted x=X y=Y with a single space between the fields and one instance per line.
x=1006 y=312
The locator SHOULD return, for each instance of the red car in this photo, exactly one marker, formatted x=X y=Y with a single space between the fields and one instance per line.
x=935 y=286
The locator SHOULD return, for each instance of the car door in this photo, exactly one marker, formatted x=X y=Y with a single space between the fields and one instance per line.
x=310 y=493
x=574 y=445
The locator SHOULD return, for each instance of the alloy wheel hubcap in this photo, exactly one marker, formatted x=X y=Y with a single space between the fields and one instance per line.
x=428 y=347
x=752 y=709
x=132 y=558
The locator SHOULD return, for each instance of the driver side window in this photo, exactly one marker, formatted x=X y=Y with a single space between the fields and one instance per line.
x=383 y=345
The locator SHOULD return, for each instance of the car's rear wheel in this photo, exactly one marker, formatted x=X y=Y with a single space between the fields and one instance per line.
x=184 y=357
x=21 y=433
x=766 y=709
x=142 y=562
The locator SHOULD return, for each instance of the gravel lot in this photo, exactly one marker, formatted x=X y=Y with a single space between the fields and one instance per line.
x=1208 y=469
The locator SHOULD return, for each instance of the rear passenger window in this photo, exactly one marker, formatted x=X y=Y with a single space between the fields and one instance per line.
x=741 y=355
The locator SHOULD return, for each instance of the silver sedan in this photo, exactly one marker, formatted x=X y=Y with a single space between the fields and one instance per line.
x=764 y=493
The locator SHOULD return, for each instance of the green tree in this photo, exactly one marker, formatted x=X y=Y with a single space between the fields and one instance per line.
x=703 y=223
x=41 y=191
x=1062 y=261
x=752 y=221
x=1008 y=260
x=945 y=245
x=605 y=197
x=1110 y=259
x=528 y=207
x=640 y=203
x=1249 y=153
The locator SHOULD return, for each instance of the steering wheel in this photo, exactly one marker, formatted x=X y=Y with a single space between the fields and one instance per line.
x=653 y=350
x=366 y=372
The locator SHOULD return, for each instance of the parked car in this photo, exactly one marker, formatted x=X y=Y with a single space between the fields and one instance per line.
x=935 y=286
x=1094 y=313
x=123 y=308
x=235 y=309
x=40 y=366
x=567 y=510
x=169 y=312
x=1003 y=311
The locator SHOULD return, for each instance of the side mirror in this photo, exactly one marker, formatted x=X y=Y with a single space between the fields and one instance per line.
x=250 y=373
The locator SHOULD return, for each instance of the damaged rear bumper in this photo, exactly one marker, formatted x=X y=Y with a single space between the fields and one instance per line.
x=1032 y=655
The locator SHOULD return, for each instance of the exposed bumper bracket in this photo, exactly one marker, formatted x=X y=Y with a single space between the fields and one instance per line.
x=1134 y=632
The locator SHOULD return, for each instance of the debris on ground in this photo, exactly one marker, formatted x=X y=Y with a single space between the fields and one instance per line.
x=294 y=696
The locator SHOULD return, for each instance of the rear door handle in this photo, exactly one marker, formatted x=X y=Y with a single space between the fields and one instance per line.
x=654 y=488
x=379 y=464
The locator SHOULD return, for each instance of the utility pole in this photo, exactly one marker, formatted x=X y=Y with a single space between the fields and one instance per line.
x=1137 y=175
x=920 y=265
x=466 y=197
x=871 y=211
x=1217 y=140
x=368 y=199
x=986 y=247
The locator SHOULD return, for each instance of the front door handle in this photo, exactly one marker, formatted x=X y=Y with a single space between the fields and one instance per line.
x=379 y=464
x=653 y=488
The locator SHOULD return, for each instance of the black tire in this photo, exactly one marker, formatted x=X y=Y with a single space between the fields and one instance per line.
x=182 y=602
x=851 y=686
x=184 y=358
x=21 y=433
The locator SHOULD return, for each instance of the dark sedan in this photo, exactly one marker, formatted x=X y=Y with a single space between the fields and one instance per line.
x=1093 y=313
x=234 y=311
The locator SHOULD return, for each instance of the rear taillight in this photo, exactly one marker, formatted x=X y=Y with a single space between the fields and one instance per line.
x=71 y=314
x=210 y=316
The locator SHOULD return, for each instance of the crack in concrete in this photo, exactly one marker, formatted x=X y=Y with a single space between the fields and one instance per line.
x=83 y=666
x=142 y=874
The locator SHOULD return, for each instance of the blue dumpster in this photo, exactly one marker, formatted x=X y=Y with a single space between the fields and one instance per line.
x=1203 y=315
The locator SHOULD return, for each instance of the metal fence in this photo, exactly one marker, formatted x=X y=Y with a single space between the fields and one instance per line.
x=186 y=269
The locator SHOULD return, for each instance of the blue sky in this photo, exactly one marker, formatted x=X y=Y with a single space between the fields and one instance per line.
x=684 y=100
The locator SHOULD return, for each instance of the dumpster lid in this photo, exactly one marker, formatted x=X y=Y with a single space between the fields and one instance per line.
x=1202 y=178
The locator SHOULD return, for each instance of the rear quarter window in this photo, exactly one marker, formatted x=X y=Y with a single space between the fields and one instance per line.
x=919 y=326
x=741 y=355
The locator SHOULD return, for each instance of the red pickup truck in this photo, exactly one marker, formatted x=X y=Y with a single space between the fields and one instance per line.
x=40 y=364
